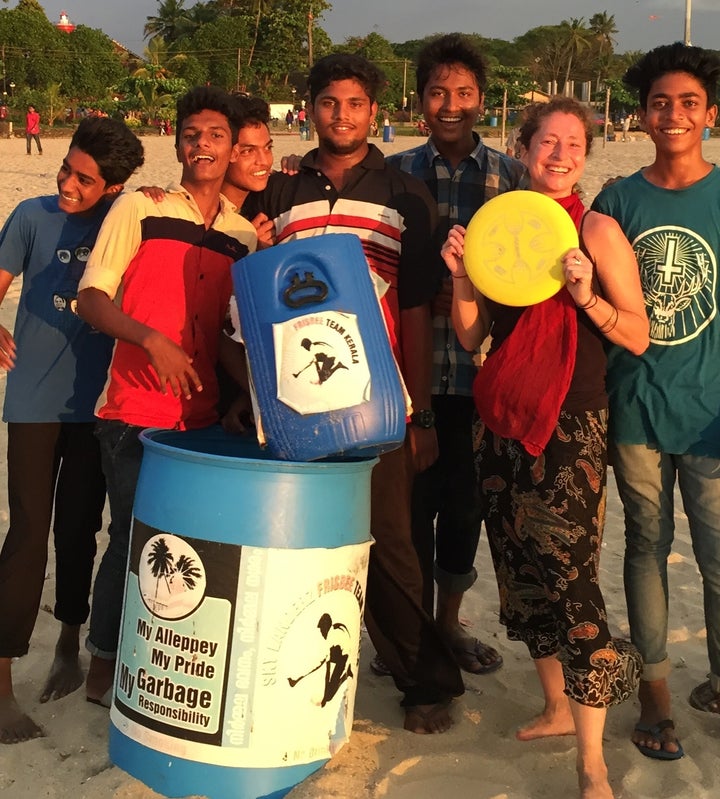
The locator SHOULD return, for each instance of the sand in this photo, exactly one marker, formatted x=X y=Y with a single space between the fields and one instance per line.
x=479 y=758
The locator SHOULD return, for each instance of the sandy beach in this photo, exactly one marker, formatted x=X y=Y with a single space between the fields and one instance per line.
x=479 y=758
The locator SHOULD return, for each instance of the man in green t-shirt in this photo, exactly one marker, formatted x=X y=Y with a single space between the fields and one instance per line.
x=664 y=420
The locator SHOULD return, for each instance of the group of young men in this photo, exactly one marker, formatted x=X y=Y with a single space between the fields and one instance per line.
x=95 y=305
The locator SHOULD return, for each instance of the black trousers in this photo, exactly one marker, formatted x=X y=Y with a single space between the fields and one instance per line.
x=404 y=635
x=51 y=466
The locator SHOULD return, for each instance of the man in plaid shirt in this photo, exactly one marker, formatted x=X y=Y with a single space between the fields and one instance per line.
x=461 y=173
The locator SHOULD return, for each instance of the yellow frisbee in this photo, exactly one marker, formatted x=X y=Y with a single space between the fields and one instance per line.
x=514 y=245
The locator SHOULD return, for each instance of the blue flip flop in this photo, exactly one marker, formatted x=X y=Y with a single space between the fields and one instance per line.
x=656 y=731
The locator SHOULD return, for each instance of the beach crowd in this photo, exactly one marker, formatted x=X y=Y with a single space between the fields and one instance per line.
x=124 y=324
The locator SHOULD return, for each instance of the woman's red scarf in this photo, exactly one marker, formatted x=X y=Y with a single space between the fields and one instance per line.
x=521 y=387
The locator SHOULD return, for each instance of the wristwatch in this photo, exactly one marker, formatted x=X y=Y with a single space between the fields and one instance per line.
x=424 y=419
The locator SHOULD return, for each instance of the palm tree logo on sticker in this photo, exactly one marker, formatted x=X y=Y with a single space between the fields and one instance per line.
x=171 y=576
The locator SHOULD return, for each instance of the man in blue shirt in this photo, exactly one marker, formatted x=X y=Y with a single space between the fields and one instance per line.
x=57 y=366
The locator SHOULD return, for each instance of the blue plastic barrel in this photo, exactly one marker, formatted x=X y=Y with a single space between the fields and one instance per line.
x=388 y=133
x=239 y=649
x=706 y=133
x=493 y=122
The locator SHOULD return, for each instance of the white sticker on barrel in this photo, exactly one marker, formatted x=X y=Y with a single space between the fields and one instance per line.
x=259 y=668
x=321 y=363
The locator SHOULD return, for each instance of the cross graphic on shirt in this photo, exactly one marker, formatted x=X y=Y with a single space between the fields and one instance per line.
x=669 y=269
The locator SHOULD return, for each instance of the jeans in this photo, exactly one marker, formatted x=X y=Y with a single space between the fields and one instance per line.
x=447 y=491
x=646 y=481
x=121 y=452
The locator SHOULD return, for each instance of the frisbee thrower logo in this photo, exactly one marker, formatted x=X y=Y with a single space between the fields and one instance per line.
x=334 y=665
x=678 y=273
x=171 y=576
x=321 y=363
x=321 y=358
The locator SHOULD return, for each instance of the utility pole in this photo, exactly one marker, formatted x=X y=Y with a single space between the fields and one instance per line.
x=309 y=122
x=688 y=15
x=310 y=37
x=404 y=94
x=237 y=81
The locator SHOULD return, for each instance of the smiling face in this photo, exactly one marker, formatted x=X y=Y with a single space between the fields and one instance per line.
x=205 y=147
x=80 y=185
x=342 y=112
x=254 y=161
x=451 y=104
x=677 y=113
x=556 y=157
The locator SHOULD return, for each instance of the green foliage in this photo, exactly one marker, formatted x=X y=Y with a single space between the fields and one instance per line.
x=263 y=46
x=515 y=80
x=219 y=47
x=620 y=98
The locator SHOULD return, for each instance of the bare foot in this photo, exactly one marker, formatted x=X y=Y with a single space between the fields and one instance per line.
x=99 y=681
x=16 y=726
x=550 y=722
x=65 y=674
x=595 y=786
x=428 y=719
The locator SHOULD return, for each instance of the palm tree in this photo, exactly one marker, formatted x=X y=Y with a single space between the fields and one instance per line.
x=160 y=561
x=577 y=38
x=172 y=21
x=159 y=63
x=260 y=8
x=602 y=27
x=185 y=567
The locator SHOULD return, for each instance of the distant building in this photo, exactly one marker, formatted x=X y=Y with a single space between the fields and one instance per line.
x=65 y=25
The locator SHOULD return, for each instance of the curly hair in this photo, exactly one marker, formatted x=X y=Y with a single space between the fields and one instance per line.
x=207 y=98
x=704 y=65
x=453 y=48
x=536 y=112
x=116 y=150
x=251 y=110
x=345 y=66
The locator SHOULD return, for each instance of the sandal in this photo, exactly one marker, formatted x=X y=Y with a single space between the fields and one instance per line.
x=704 y=698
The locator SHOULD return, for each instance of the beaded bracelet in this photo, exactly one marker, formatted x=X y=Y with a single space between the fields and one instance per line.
x=591 y=303
x=609 y=325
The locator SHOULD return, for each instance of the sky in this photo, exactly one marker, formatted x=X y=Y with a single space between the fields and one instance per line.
x=641 y=24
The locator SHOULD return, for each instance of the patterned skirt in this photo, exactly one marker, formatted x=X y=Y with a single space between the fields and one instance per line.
x=544 y=518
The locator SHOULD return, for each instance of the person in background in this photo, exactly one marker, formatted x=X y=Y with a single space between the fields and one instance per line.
x=541 y=466
x=625 y=127
x=665 y=420
x=56 y=370
x=32 y=129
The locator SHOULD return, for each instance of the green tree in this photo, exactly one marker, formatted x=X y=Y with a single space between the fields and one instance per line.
x=171 y=22
x=621 y=99
x=92 y=64
x=220 y=46
x=260 y=8
x=516 y=81
x=577 y=38
x=602 y=27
